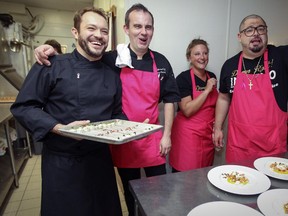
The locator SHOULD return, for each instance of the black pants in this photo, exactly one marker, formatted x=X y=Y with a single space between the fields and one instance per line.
x=127 y=174
x=79 y=185
x=174 y=170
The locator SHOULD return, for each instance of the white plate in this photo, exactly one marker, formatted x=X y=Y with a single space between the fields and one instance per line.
x=114 y=131
x=263 y=165
x=271 y=202
x=258 y=182
x=224 y=209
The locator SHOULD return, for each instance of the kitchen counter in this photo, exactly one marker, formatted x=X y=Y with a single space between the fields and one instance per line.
x=178 y=193
x=14 y=159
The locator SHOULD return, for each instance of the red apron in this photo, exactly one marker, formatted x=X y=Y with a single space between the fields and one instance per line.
x=256 y=125
x=192 y=145
x=141 y=92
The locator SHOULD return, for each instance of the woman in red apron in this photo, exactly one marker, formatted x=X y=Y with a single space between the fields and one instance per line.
x=264 y=131
x=191 y=137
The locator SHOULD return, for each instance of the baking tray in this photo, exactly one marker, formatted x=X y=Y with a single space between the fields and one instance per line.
x=116 y=131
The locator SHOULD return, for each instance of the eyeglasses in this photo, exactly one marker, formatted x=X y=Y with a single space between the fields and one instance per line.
x=250 y=31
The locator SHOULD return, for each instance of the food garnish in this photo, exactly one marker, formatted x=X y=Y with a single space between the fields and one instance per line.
x=285 y=208
x=279 y=167
x=236 y=178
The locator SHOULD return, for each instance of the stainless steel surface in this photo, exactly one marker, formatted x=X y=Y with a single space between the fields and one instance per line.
x=178 y=193
x=5 y=116
x=11 y=75
x=5 y=113
x=16 y=45
x=4 y=48
x=11 y=152
x=28 y=144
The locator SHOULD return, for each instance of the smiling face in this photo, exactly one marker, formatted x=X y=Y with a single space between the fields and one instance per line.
x=199 y=57
x=140 y=31
x=255 y=45
x=92 y=36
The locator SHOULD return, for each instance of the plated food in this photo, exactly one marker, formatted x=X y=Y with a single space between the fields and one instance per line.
x=279 y=167
x=273 y=166
x=274 y=202
x=285 y=208
x=223 y=208
x=239 y=179
x=116 y=131
x=236 y=178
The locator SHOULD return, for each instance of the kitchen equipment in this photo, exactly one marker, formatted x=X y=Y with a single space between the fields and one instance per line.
x=11 y=75
x=4 y=49
x=16 y=43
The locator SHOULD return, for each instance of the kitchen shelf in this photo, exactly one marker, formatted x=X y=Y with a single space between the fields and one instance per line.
x=7 y=185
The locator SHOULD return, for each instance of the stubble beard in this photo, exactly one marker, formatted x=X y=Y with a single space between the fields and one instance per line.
x=92 y=53
x=256 y=49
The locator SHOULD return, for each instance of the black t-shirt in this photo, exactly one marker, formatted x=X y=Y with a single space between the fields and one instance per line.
x=278 y=67
x=169 y=92
x=184 y=83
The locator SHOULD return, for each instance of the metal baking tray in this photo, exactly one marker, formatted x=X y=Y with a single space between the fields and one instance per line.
x=116 y=131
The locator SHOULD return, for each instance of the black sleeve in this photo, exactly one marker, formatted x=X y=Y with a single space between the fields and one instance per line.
x=228 y=74
x=109 y=58
x=117 y=112
x=169 y=92
x=28 y=107
x=184 y=84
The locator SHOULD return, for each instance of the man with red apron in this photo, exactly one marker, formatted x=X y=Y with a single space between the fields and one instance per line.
x=140 y=96
x=192 y=145
x=256 y=98
x=263 y=132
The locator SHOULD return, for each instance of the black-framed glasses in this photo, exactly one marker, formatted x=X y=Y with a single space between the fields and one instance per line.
x=250 y=31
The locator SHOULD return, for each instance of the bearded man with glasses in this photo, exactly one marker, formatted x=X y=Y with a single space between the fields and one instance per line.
x=253 y=92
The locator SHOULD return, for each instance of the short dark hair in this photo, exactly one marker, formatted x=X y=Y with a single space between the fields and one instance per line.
x=78 y=15
x=55 y=45
x=137 y=7
x=194 y=43
x=251 y=16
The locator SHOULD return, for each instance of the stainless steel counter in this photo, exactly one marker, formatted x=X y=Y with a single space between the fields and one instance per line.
x=178 y=193
x=5 y=116
x=5 y=113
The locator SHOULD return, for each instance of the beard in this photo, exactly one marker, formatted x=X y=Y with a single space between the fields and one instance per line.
x=256 y=49
x=92 y=53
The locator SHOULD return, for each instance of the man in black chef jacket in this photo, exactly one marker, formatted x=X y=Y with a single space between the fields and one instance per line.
x=147 y=82
x=77 y=175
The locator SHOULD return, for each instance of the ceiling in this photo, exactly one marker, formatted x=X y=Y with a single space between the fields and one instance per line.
x=68 y=5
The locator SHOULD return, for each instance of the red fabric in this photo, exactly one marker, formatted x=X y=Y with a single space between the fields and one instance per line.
x=192 y=145
x=141 y=92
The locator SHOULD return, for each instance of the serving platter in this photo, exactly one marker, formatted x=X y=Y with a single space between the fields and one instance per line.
x=264 y=165
x=115 y=131
x=255 y=183
x=223 y=208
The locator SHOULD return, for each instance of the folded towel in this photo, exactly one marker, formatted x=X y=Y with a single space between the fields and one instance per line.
x=123 y=56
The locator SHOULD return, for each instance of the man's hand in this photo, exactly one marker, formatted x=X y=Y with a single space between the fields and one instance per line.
x=165 y=146
x=42 y=53
x=75 y=123
x=217 y=137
